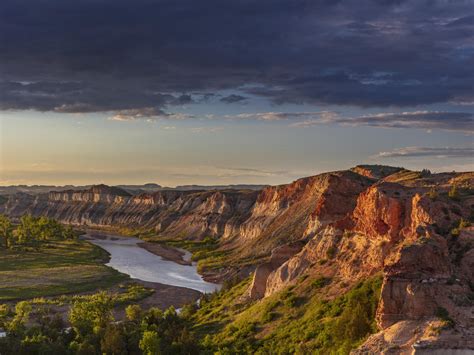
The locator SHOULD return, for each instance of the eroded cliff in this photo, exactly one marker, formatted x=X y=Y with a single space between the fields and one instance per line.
x=411 y=228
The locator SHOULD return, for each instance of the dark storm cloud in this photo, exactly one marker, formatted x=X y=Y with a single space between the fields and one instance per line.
x=231 y=99
x=63 y=96
x=89 y=55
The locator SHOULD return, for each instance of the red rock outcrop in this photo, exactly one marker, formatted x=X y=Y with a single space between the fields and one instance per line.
x=350 y=225
x=405 y=235
x=279 y=255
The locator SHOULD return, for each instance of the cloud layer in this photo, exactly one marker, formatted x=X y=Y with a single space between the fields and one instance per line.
x=448 y=121
x=444 y=152
x=114 y=55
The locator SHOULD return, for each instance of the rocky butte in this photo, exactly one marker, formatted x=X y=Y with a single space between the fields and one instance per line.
x=413 y=228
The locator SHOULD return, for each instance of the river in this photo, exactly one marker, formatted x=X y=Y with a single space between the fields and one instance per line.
x=127 y=257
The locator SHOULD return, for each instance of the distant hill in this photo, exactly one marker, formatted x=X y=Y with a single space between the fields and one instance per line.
x=218 y=187
x=376 y=249
x=132 y=189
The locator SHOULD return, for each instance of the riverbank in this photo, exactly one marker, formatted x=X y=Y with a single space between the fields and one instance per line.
x=76 y=267
x=55 y=268
x=129 y=256
x=164 y=296
x=167 y=252
x=202 y=253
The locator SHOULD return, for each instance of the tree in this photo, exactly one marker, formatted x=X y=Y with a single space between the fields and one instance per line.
x=425 y=173
x=133 y=312
x=69 y=233
x=113 y=342
x=27 y=230
x=150 y=343
x=22 y=314
x=5 y=230
x=453 y=193
x=84 y=348
x=42 y=229
x=33 y=344
x=91 y=316
x=4 y=312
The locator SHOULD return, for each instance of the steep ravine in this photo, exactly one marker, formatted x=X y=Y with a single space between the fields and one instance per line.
x=346 y=226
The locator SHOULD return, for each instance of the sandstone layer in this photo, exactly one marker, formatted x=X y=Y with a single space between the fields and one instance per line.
x=410 y=227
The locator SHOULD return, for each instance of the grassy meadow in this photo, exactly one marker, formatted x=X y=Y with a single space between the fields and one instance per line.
x=54 y=268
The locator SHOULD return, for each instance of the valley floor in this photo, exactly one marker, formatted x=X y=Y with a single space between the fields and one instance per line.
x=55 y=269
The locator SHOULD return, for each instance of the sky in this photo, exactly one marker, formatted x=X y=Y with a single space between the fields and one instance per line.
x=225 y=92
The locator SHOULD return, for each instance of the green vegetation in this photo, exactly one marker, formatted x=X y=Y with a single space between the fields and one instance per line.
x=331 y=252
x=425 y=173
x=31 y=231
x=287 y=322
x=298 y=319
x=123 y=294
x=457 y=230
x=94 y=330
x=463 y=223
x=40 y=257
x=453 y=193
x=432 y=194
x=321 y=282
x=6 y=231
x=443 y=314
x=54 y=268
x=405 y=176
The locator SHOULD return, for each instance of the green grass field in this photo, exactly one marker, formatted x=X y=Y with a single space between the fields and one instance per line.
x=55 y=268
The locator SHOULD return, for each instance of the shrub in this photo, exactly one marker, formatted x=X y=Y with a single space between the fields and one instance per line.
x=433 y=194
x=331 y=252
x=463 y=223
x=451 y=280
x=453 y=193
x=291 y=301
x=285 y=294
x=321 y=282
x=229 y=283
x=269 y=316
x=270 y=306
x=443 y=314
x=188 y=310
x=455 y=232
x=303 y=277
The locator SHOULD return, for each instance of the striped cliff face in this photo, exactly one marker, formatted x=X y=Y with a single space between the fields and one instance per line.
x=347 y=224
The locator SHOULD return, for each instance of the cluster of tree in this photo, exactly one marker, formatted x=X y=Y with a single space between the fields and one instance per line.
x=425 y=173
x=31 y=230
x=93 y=330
